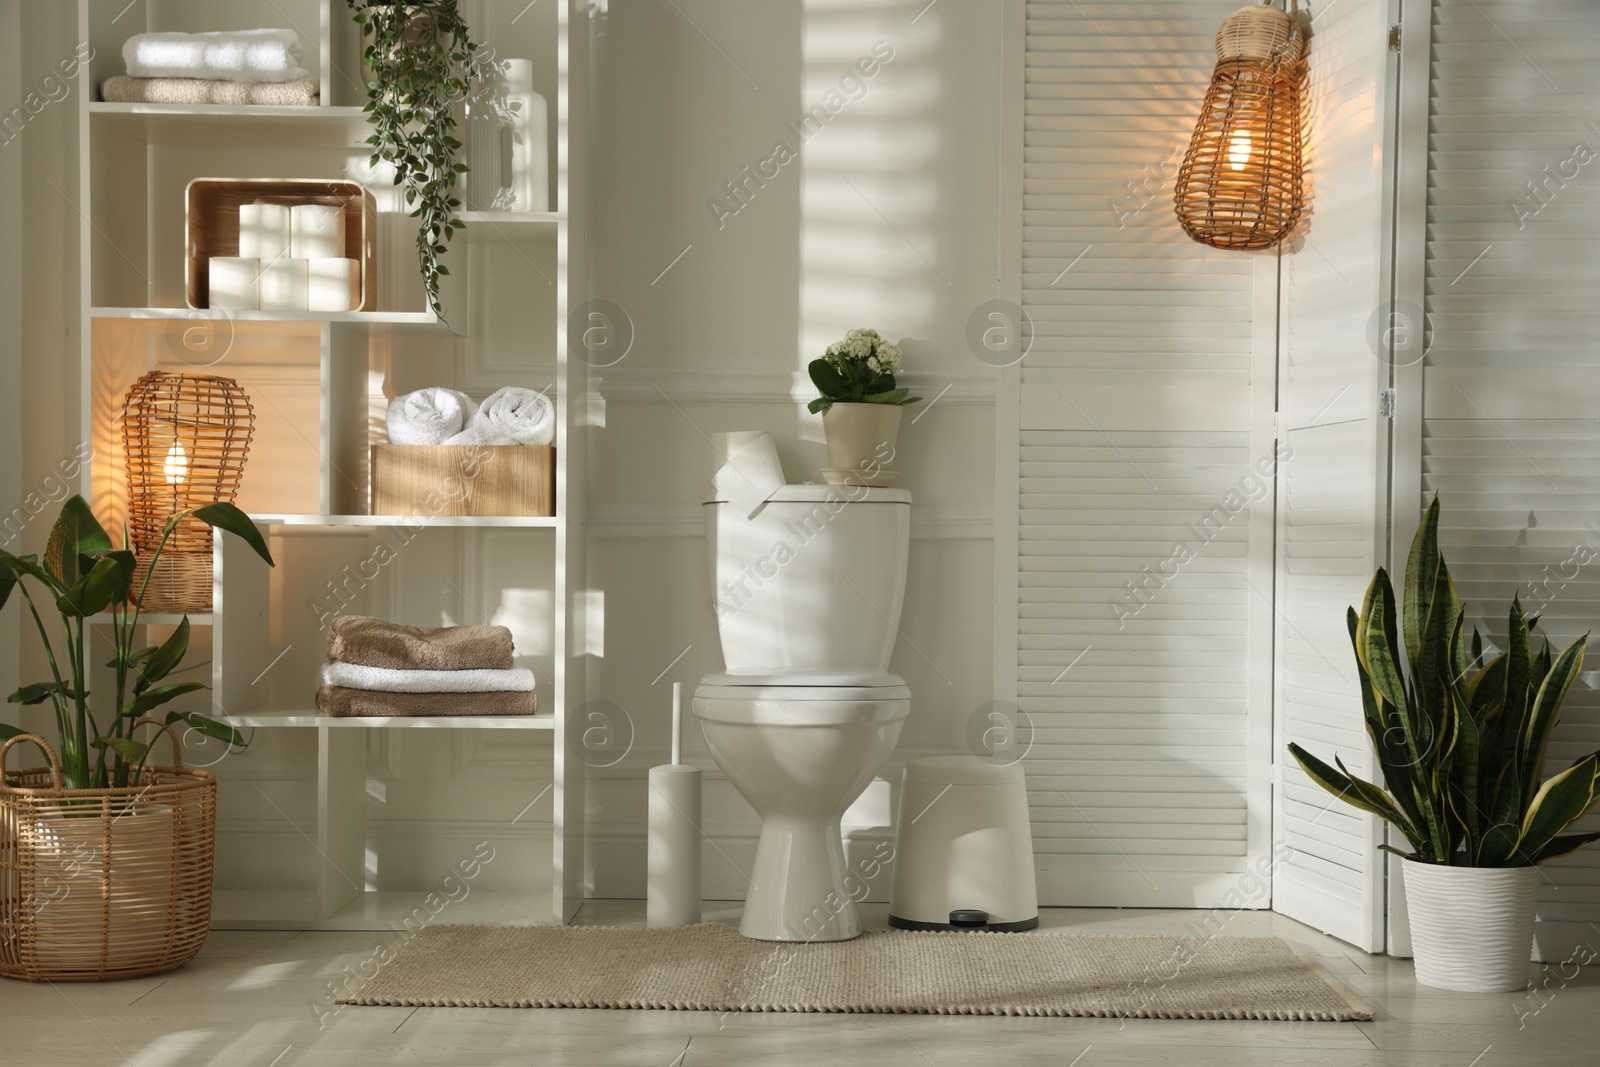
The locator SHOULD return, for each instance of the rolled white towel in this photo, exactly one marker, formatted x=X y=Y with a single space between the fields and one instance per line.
x=388 y=680
x=427 y=417
x=479 y=435
x=227 y=55
x=524 y=416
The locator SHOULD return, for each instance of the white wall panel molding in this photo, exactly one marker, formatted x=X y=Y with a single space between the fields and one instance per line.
x=500 y=754
x=649 y=385
x=686 y=521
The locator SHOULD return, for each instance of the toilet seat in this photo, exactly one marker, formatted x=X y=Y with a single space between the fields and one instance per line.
x=831 y=697
x=810 y=684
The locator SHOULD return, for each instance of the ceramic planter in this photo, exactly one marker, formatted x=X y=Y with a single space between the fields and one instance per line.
x=1471 y=927
x=861 y=443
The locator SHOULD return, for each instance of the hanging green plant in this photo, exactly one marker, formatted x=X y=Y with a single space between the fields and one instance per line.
x=422 y=62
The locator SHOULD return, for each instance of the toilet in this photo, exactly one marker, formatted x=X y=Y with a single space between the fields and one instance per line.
x=807 y=594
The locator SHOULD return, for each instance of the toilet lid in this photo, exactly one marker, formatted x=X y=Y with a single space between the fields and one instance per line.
x=840 y=684
x=859 y=677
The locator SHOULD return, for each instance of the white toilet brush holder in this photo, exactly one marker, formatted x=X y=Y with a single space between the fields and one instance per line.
x=672 y=896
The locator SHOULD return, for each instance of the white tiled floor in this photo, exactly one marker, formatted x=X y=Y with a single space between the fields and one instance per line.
x=251 y=1000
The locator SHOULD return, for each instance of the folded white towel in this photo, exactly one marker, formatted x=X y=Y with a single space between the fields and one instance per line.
x=228 y=55
x=479 y=435
x=427 y=417
x=521 y=416
x=388 y=680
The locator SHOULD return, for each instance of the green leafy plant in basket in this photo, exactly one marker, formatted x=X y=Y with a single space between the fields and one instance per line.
x=83 y=575
x=1461 y=743
x=858 y=370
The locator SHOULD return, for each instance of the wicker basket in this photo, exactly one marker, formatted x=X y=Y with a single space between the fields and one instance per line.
x=104 y=883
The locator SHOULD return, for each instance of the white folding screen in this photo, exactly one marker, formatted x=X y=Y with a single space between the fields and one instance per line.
x=1331 y=513
x=1136 y=449
x=1510 y=384
x=1162 y=661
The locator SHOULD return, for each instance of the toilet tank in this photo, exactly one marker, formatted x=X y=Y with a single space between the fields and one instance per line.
x=816 y=578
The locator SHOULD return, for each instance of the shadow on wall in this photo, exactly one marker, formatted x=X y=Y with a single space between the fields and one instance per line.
x=869 y=150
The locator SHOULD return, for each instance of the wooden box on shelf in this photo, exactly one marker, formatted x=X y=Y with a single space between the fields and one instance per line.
x=477 y=480
x=211 y=224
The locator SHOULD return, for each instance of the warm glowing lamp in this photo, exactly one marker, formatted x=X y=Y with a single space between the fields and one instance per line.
x=176 y=468
x=1241 y=185
x=185 y=437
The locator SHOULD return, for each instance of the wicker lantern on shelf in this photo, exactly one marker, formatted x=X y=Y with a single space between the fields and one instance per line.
x=1242 y=183
x=185 y=437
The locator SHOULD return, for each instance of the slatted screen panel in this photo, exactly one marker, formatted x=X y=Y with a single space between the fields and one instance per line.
x=1328 y=517
x=1512 y=380
x=1137 y=422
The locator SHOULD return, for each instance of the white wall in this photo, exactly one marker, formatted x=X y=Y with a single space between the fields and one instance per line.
x=10 y=314
x=38 y=362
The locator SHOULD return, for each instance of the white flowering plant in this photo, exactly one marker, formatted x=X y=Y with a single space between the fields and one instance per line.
x=858 y=370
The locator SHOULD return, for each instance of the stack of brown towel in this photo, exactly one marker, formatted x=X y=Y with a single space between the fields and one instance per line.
x=122 y=89
x=383 y=668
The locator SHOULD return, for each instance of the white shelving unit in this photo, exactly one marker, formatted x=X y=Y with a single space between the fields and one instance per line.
x=317 y=382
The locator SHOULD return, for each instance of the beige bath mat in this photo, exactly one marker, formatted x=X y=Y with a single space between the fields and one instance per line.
x=710 y=967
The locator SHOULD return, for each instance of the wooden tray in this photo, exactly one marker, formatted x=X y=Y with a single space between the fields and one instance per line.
x=211 y=224
x=479 y=480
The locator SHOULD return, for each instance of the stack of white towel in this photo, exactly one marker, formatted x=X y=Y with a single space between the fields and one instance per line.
x=439 y=416
x=227 y=67
x=291 y=258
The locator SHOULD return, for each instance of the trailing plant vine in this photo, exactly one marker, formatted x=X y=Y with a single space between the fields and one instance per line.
x=424 y=62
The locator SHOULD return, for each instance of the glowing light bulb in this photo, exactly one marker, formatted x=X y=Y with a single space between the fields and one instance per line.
x=176 y=468
x=1239 y=151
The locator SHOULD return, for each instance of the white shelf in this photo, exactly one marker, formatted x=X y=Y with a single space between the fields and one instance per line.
x=276 y=718
x=158 y=618
x=359 y=318
x=509 y=227
x=309 y=375
x=291 y=909
x=242 y=124
x=534 y=522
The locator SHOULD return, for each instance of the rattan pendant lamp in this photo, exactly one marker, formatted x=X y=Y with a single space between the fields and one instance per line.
x=1242 y=182
x=185 y=437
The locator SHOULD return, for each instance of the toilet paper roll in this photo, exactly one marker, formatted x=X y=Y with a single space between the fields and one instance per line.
x=263 y=231
x=752 y=471
x=234 y=282
x=672 y=896
x=333 y=284
x=283 y=285
x=317 y=231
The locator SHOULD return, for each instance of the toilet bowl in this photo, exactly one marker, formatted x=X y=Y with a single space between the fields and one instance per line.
x=801 y=755
x=807 y=594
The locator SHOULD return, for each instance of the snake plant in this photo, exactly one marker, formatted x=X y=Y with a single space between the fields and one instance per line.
x=1461 y=743
x=83 y=576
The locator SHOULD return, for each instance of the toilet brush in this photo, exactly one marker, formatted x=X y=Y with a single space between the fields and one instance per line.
x=673 y=860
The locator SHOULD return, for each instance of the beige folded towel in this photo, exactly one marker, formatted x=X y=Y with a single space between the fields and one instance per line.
x=125 y=90
x=377 y=643
x=345 y=703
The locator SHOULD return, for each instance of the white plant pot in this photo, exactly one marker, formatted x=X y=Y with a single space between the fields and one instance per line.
x=1471 y=927
x=861 y=443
